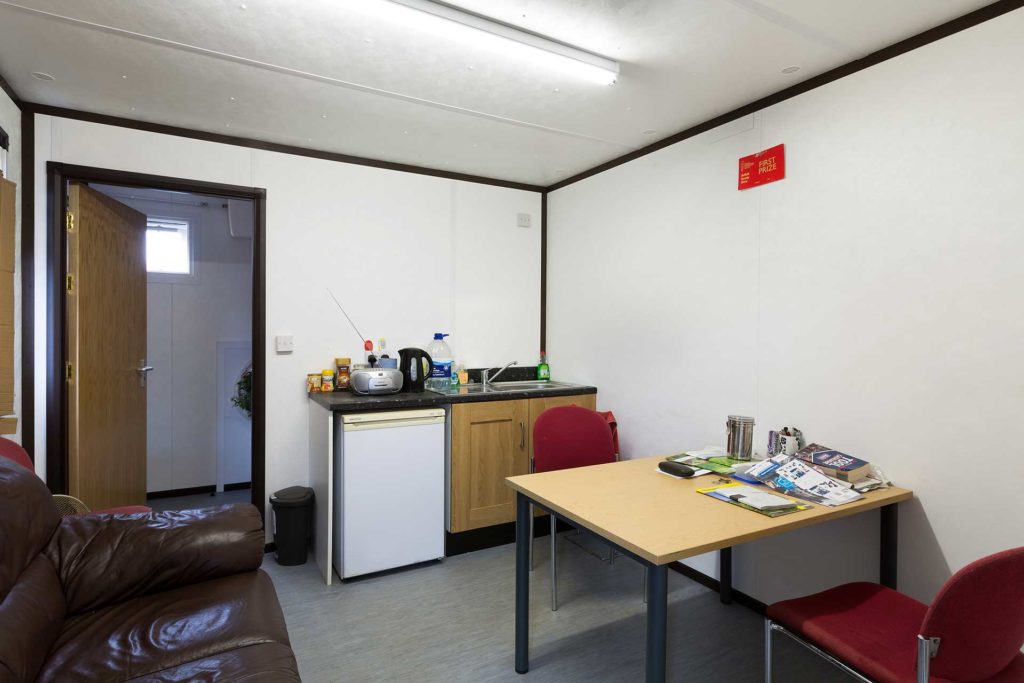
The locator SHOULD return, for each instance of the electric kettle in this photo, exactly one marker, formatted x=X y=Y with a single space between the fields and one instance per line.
x=415 y=365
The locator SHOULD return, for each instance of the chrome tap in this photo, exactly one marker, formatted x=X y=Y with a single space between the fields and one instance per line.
x=486 y=377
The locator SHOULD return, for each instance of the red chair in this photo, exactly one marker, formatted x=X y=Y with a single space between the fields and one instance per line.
x=15 y=453
x=563 y=438
x=973 y=631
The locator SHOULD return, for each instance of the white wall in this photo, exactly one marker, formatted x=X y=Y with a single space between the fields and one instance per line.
x=10 y=121
x=873 y=298
x=389 y=244
x=187 y=317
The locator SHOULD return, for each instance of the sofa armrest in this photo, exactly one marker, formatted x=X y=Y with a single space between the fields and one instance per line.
x=102 y=558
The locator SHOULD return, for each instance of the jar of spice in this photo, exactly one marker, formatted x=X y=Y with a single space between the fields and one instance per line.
x=343 y=371
x=327 y=381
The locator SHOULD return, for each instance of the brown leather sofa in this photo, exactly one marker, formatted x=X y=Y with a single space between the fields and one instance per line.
x=160 y=596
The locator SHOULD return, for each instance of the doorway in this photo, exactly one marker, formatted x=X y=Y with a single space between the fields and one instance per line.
x=201 y=375
x=198 y=344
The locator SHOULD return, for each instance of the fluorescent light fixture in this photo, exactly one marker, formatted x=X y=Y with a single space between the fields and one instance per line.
x=509 y=39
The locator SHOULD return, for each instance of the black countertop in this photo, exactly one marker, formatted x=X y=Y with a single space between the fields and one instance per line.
x=350 y=402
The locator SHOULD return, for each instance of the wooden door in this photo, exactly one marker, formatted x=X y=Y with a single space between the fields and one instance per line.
x=106 y=347
x=489 y=442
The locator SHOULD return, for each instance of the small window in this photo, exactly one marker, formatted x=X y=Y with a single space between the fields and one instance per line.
x=167 y=246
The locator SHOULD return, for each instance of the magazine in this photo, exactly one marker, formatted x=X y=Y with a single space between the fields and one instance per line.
x=796 y=478
x=723 y=493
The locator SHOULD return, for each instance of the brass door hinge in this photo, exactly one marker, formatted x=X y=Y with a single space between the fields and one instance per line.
x=69 y=282
x=69 y=371
x=69 y=221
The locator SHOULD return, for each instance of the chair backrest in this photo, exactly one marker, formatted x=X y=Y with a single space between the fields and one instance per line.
x=979 y=615
x=14 y=451
x=571 y=436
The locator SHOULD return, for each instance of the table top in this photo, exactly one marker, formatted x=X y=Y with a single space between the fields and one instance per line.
x=663 y=519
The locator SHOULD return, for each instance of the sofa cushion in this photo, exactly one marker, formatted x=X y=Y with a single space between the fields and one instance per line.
x=103 y=558
x=264 y=663
x=149 y=637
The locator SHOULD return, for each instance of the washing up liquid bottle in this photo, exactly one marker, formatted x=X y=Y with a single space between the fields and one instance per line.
x=441 y=371
x=543 y=369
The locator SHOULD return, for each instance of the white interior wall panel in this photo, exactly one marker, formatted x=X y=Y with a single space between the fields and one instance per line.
x=394 y=247
x=871 y=298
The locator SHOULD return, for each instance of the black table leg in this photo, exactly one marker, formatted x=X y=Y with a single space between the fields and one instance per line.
x=889 y=540
x=725 y=575
x=657 y=622
x=523 y=542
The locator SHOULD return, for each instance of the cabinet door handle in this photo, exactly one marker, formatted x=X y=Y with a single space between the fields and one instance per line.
x=522 y=435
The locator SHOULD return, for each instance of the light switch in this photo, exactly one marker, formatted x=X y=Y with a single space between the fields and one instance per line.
x=284 y=343
x=523 y=220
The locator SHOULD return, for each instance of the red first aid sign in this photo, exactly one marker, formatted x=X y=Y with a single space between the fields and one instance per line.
x=763 y=167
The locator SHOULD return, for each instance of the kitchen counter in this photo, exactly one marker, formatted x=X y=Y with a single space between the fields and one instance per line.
x=350 y=402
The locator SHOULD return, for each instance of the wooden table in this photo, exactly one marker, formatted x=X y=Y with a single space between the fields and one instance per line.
x=656 y=520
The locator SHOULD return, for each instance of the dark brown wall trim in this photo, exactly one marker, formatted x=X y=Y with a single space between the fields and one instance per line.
x=6 y=87
x=543 y=271
x=28 y=282
x=967 y=21
x=271 y=146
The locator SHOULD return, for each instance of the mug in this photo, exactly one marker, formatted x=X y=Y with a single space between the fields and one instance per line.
x=788 y=445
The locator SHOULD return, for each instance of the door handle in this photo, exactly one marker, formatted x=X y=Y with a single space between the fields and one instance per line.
x=522 y=435
x=142 y=371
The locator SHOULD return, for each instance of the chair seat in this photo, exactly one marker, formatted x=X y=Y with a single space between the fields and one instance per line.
x=871 y=628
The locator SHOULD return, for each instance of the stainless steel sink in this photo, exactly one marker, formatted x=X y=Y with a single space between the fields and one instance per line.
x=527 y=386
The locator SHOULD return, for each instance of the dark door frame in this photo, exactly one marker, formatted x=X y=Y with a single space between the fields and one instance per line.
x=58 y=177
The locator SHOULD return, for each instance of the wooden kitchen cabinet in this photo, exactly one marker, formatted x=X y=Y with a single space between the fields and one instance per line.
x=492 y=440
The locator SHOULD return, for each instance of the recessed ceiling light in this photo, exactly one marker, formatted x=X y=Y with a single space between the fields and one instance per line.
x=649 y=131
x=242 y=7
x=405 y=132
x=42 y=76
x=133 y=108
x=555 y=90
x=367 y=40
x=227 y=125
x=323 y=116
x=790 y=69
x=232 y=99
x=123 y=76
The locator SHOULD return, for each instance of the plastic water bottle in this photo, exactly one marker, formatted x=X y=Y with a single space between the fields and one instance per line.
x=441 y=371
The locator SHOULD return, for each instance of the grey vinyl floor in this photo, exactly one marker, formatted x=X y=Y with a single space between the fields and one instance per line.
x=454 y=621
x=200 y=500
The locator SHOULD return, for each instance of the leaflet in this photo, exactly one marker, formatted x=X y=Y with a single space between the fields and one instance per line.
x=795 y=477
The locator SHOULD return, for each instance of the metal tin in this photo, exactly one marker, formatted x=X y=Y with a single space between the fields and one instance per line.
x=740 y=436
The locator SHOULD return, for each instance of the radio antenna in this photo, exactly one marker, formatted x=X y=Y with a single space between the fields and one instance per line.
x=362 y=339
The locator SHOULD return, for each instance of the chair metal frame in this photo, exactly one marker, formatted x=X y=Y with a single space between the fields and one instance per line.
x=927 y=648
x=554 y=551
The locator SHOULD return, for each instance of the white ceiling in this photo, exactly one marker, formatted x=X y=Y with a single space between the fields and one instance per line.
x=349 y=76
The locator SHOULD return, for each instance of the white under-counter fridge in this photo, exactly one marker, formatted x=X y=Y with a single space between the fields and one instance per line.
x=389 y=479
